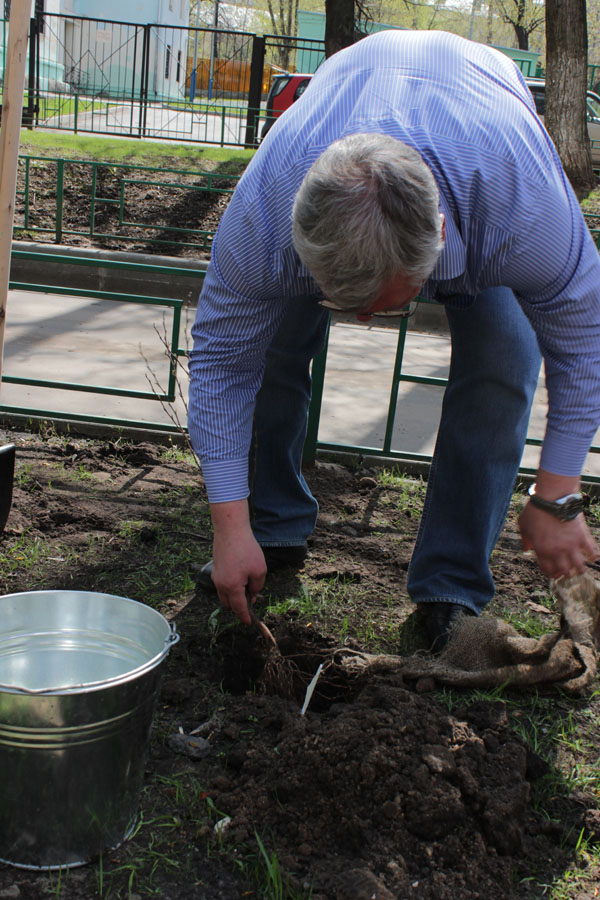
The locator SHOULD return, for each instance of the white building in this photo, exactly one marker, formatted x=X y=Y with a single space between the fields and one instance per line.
x=98 y=49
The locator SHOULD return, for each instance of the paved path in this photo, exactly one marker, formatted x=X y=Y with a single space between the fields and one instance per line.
x=104 y=342
x=160 y=122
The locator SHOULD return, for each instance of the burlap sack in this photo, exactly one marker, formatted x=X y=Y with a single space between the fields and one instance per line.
x=486 y=652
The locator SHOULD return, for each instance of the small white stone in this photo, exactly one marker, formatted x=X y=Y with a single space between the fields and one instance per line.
x=221 y=826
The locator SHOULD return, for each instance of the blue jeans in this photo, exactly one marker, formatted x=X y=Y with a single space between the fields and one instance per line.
x=485 y=414
x=283 y=511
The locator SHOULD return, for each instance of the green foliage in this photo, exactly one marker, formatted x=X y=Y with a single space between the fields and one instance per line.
x=276 y=886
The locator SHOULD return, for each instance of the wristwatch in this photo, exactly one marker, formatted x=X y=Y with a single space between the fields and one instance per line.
x=565 y=508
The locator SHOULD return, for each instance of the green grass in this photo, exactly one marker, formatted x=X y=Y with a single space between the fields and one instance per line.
x=201 y=104
x=562 y=733
x=25 y=554
x=176 y=454
x=179 y=833
x=311 y=600
x=276 y=886
x=54 y=106
x=581 y=881
x=150 y=153
x=146 y=559
x=529 y=623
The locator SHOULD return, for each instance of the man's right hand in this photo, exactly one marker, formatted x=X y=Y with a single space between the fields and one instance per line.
x=239 y=567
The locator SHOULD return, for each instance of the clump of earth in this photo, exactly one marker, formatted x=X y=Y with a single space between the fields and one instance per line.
x=379 y=790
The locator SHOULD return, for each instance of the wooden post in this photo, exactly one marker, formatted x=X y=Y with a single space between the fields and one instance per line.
x=10 y=132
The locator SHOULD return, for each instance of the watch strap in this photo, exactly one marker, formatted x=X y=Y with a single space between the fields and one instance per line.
x=564 y=508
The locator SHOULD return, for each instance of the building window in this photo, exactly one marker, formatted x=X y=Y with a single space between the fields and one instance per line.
x=167 y=61
x=178 y=71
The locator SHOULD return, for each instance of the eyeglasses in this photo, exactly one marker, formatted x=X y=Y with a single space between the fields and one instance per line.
x=404 y=313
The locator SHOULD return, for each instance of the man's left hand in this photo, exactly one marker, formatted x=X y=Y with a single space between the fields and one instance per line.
x=561 y=548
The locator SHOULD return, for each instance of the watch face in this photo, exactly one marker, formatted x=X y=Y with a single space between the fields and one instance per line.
x=572 y=507
x=568 y=510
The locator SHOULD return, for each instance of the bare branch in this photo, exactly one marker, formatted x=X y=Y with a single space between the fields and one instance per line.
x=176 y=367
x=272 y=17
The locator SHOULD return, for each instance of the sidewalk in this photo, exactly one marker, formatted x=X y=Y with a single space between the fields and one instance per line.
x=104 y=342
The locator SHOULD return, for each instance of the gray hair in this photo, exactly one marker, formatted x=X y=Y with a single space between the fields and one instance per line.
x=367 y=211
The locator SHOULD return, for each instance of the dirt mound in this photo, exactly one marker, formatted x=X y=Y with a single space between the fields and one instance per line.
x=379 y=791
x=388 y=785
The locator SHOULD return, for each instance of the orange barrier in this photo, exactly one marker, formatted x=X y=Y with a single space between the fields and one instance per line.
x=229 y=75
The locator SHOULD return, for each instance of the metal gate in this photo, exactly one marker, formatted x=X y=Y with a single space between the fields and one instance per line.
x=88 y=74
x=158 y=81
x=293 y=54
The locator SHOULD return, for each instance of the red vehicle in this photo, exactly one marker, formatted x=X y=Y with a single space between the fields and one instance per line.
x=285 y=89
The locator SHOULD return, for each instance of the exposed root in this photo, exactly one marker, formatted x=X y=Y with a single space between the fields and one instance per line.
x=280 y=675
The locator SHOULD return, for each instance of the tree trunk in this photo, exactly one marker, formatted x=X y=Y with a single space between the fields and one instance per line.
x=489 y=35
x=566 y=83
x=339 y=25
x=522 y=36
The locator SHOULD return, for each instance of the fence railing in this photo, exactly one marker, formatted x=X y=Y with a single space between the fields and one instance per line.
x=593 y=223
x=100 y=201
x=170 y=82
x=176 y=348
x=172 y=345
x=400 y=375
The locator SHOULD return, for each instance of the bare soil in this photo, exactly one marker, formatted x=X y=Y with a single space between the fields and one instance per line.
x=378 y=791
x=158 y=212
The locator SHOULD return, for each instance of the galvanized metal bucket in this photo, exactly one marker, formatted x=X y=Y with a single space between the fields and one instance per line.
x=79 y=676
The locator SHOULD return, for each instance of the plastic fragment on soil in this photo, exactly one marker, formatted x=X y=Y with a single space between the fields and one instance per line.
x=221 y=826
x=310 y=690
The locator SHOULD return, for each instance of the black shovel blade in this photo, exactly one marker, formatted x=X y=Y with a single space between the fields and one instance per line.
x=7 y=474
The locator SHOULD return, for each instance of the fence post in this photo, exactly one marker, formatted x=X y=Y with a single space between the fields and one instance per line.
x=30 y=108
x=257 y=65
x=309 y=453
x=60 y=173
x=144 y=81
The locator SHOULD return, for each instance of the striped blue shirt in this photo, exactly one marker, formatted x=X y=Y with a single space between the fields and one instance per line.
x=511 y=219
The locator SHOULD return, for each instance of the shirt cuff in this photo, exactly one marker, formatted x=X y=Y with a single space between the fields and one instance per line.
x=225 y=479
x=564 y=454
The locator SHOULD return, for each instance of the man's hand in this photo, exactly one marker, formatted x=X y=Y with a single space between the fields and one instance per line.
x=562 y=548
x=239 y=567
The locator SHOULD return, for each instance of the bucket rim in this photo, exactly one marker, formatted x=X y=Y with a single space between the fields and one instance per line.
x=86 y=687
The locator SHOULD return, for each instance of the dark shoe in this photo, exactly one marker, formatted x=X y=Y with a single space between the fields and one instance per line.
x=275 y=557
x=438 y=621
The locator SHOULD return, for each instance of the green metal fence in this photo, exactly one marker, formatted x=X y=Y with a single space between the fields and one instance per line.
x=170 y=82
x=96 y=200
x=593 y=223
x=174 y=350
x=400 y=375
x=177 y=348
